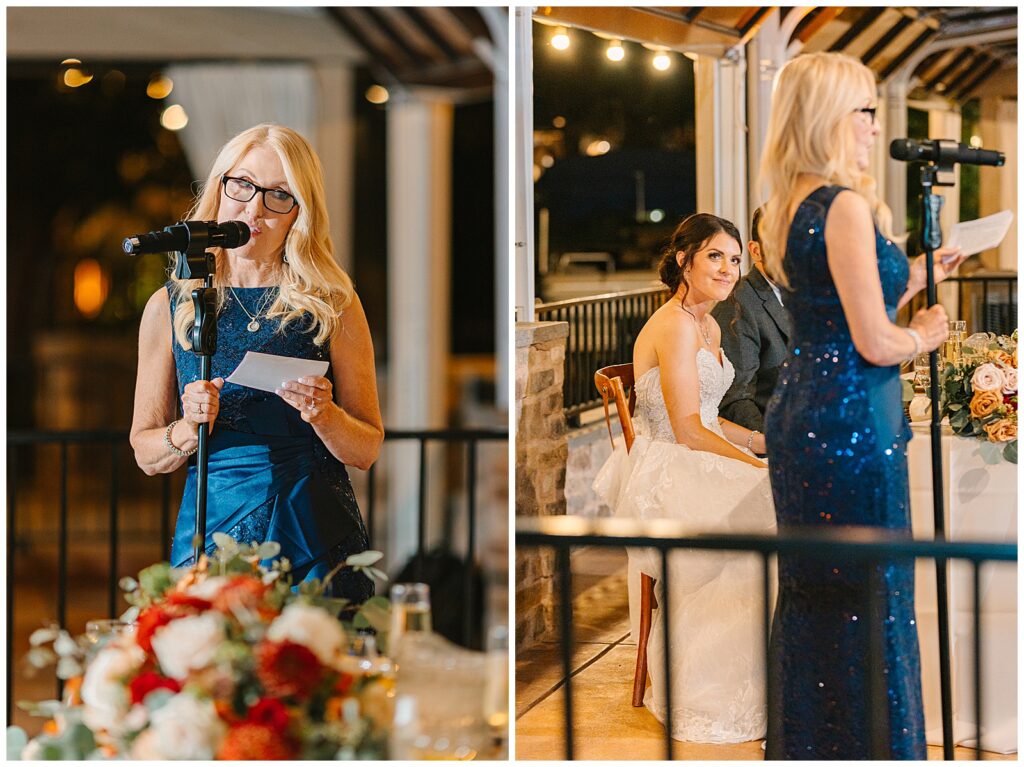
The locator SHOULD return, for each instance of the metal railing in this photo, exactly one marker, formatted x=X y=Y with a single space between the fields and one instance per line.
x=602 y=330
x=987 y=304
x=116 y=441
x=865 y=544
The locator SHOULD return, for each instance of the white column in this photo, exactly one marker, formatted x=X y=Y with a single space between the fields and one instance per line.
x=721 y=138
x=945 y=123
x=497 y=23
x=766 y=52
x=523 y=84
x=335 y=143
x=419 y=155
x=998 y=186
x=706 y=129
x=894 y=185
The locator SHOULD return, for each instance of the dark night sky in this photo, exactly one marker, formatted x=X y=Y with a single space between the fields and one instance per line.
x=647 y=115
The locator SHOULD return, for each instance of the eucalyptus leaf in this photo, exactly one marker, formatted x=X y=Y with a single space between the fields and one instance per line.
x=1010 y=452
x=225 y=541
x=364 y=558
x=68 y=667
x=990 y=452
x=128 y=583
x=130 y=615
x=376 y=574
x=40 y=657
x=42 y=636
x=377 y=616
x=64 y=644
x=17 y=739
x=268 y=550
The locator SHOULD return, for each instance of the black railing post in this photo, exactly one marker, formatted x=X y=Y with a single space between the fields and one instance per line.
x=371 y=502
x=112 y=596
x=769 y=673
x=12 y=532
x=469 y=615
x=62 y=551
x=665 y=607
x=565 y=600
x=421 y=530
x=976 y=588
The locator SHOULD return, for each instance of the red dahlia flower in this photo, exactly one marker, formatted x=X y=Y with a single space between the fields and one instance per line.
x=269 y=712
x=287 y=669
x=146 y=682
x=255 y=742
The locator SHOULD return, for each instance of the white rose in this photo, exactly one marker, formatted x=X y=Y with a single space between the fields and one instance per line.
x=104 y=692
x=1009 y=381
x=987 y=377
x=209 y=588
x=188 y=643
x=312 y=627
x=183 y=728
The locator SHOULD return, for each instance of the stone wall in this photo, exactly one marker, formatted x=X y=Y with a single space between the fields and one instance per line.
x=541 y=457
x=589 y=448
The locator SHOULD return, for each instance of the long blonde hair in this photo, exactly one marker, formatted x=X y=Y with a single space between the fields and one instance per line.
x=809 y=131
x=311 y=280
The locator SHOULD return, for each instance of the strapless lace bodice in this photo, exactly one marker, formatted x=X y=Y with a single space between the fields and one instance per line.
x=651 y=419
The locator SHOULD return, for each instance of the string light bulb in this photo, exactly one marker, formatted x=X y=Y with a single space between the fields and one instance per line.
x=661 y=61
x=560 y=40
x=615 y=51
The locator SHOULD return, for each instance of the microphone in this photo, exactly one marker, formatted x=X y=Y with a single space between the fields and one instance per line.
x=188 y=236
x=943 y=152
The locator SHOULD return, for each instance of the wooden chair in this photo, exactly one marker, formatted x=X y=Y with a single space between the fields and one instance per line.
x=612 y=382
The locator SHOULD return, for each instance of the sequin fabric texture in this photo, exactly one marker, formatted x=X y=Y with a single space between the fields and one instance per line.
x=270 y=476
x=836 y=437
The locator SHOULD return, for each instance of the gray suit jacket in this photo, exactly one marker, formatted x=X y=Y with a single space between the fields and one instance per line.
x=756 y=345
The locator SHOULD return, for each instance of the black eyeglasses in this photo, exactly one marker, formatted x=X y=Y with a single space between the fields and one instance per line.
x=870 y=111
x=241 y=190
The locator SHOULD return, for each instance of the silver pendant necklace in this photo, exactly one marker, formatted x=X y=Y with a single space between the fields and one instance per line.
x=703 y=324
x=254 y=324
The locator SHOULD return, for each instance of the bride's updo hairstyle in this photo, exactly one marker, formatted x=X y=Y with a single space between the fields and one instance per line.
x=689 y=237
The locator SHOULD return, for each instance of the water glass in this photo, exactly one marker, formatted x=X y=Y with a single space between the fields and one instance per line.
x=410 y=612
x=922 y=373
x=952 y=350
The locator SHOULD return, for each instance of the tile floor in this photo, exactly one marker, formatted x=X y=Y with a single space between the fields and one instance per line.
x=606 y=724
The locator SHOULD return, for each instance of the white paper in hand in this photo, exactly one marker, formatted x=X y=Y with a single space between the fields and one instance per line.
x=980 y=234
x=268 y=371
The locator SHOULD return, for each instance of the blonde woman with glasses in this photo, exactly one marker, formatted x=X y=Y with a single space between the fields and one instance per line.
x=277 y=461
x=835 y=430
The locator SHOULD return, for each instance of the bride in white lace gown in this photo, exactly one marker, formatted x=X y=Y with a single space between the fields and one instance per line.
x=687 y=464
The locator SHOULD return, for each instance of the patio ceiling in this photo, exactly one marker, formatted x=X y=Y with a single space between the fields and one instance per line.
x=421 y=46
x=883 y=38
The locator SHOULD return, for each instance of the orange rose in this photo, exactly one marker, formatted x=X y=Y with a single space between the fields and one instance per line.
x=1000 y=356
x=984 y=403
x=1003 y=430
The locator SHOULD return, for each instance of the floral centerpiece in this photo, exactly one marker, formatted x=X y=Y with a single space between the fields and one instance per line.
x=222 y=661
x=979 y=394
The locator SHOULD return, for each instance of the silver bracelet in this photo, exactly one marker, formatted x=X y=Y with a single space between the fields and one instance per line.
x=170 y=445
x=750 y=440
x=916 y=338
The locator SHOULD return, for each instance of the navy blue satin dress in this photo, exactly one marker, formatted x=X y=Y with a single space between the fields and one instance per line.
x=836 y=438
x=270 y=476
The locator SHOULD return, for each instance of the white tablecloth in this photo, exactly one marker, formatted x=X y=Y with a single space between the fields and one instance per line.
x=981 y=504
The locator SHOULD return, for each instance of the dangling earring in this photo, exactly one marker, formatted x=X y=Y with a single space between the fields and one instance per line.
x=285 y=258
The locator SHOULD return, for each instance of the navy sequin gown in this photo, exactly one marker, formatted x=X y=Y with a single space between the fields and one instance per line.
x=836 y=437
x=270 y=476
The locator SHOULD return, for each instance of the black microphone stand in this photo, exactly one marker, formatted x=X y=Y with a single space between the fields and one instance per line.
x=931 y=239
x=196 y=263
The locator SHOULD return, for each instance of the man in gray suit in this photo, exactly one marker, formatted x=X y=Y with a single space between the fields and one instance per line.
x=756 y=344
